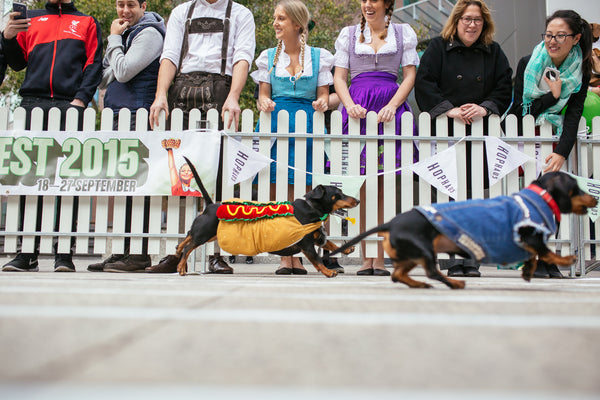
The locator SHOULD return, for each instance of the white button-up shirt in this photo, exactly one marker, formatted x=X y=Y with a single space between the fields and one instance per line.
x=204 y=52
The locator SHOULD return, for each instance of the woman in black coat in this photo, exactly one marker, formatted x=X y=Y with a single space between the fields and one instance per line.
x=465 y=75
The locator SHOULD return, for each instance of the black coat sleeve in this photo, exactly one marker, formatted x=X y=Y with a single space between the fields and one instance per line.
x=429 y=74
x=571 y=119
x=499 y=98
x=13 y=54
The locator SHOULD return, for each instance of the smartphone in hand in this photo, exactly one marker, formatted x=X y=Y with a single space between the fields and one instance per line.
x=550 y=73
x=21 y=8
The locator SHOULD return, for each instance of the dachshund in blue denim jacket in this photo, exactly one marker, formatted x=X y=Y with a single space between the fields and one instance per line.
x=501 y=230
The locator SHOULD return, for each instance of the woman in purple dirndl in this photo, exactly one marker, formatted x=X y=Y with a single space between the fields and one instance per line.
x=373 y=53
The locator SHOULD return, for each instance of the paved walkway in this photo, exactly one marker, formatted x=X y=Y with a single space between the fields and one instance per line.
x=255 y=335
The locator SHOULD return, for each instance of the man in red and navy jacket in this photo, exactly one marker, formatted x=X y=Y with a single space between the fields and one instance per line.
x=62 y=50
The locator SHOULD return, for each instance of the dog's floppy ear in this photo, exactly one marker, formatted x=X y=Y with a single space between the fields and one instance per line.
x=561 y=187
x=316 y=194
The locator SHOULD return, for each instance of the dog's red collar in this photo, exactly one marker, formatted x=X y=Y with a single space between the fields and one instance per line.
x=547 y=198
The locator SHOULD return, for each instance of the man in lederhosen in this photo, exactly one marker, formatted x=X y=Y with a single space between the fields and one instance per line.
x=208 y=50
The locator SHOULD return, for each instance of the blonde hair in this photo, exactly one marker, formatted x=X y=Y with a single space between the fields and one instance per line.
x=298 y=13
x=488 y=30
x=388 y=13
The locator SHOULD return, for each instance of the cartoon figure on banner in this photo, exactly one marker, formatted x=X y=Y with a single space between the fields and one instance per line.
x=180 y=181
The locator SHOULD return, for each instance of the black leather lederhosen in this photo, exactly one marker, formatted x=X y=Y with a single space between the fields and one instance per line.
x=202 y=90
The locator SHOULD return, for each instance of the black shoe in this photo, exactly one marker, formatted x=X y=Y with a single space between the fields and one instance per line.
x=554 y=272
x=284 y=271
x=232 y=259
x=299 y=271
x=456 y=270
x=332 y=264
x=217 y=265
x=23 y=262
x=63 y=263
x=249 y=260
x=99 y=267
x=367 y=271
x=381 y=272
x=131 y=263
x=472 y=272
x=541 y=271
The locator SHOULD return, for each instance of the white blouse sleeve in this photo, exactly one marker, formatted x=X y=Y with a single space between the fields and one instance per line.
x=409 y=40
x=325 y=65
x=262 y=73
x=342 y=57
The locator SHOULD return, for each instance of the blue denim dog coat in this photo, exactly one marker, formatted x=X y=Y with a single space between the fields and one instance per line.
x=488 y=230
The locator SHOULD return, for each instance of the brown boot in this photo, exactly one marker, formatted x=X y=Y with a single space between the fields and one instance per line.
x=131 y=263
x=167 y=265
x=99 y=267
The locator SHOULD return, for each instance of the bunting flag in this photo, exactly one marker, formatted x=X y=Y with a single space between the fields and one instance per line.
x=350 y=185
x=592 y=187
x=502 y=158
x=242 y=162
x=440 y=171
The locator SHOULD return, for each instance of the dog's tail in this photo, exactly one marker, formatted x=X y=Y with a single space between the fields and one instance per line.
x=353 y=241
x=203 y=190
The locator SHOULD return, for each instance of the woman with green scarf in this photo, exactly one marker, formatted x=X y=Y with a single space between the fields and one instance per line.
x=567 y=47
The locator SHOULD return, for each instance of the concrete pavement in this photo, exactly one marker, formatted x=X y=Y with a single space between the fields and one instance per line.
x=261 y=336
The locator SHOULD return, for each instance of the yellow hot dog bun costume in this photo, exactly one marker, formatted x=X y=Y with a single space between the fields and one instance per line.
x=251 y=228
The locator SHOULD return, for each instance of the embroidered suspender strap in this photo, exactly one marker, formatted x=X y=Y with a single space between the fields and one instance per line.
x=207 y=25
x=226 y=27
x=185 y=44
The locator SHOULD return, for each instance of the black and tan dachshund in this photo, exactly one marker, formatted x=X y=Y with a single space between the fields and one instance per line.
x=500 y=230
x=317 y=205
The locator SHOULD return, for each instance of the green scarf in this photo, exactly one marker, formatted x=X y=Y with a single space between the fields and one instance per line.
x=570 y=75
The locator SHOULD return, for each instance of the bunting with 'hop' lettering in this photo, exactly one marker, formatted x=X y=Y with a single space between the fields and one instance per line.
x=243 y=162
x=440 y=171
x=502 y=158
x=592 y=187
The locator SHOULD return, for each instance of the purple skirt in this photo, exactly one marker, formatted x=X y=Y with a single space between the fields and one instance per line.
x=373 y=91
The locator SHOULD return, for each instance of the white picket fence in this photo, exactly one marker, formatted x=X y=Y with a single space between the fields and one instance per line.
x=100 y=221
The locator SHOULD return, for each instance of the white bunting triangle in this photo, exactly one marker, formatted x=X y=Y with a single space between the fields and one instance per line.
x=592 y=187
x=350 y=185
x=242 y=162
x=502 y=158
x=440 y=171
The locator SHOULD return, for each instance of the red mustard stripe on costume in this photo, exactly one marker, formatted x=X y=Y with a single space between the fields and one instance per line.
x=246 y=211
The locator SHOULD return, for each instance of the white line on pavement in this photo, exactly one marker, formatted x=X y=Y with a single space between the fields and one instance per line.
x=300 y=317
x=402 y=296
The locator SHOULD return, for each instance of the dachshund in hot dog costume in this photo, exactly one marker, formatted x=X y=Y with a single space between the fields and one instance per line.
x=282 y=228
x=501 y=230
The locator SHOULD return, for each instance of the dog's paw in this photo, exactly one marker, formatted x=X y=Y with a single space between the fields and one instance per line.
x=349 y=250
x=571 y=260
x=456 y=284
x=330 y=273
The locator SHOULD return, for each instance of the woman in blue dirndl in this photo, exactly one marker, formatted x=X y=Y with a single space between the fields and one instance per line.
x=293 y=77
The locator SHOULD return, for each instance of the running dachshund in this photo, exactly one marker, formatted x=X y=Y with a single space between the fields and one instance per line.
x=285 y=229
x=502 y=230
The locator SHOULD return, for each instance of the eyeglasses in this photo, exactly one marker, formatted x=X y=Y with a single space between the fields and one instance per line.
x=468 y=20
x=560 y=38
